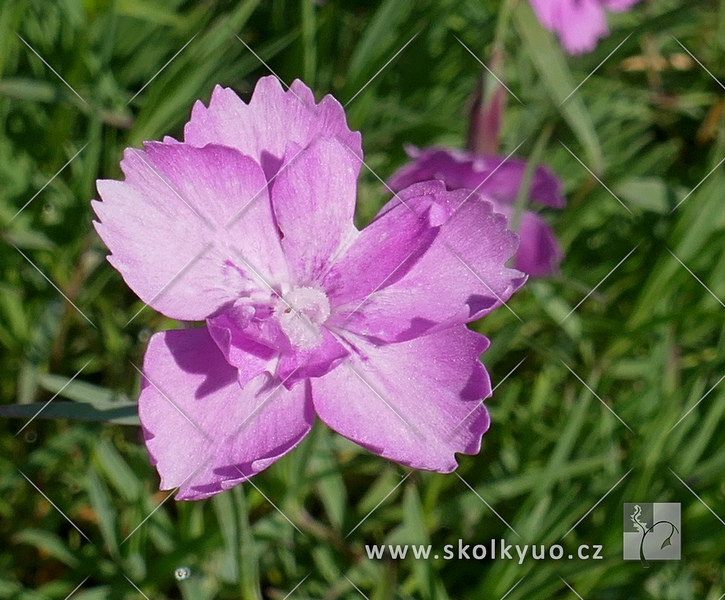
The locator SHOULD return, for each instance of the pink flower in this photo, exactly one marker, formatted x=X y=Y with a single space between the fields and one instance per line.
x=248 y=225
x=579 y=23
x=498 y=179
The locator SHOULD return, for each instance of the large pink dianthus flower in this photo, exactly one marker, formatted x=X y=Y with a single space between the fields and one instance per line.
x=247 y=225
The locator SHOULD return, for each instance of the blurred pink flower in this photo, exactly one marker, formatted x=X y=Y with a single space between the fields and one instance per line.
x=498 y=180
x=247 y=225
x=578 y=23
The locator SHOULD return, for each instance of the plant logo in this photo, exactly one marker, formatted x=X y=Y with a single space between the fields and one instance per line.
x=652 y=531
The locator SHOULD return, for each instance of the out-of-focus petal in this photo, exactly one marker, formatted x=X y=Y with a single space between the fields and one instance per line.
x=165 y=225
x=201 y=428
x=416 y=403
x=460 y=278
x=539 y=254
x=493 y=176
x=499 y=180
x=272 y=119
x=580 y=24
x=544 y=10
x=619 y=5
x=314 y=203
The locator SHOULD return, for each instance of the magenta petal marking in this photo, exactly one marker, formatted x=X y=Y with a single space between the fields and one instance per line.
x=240 y=342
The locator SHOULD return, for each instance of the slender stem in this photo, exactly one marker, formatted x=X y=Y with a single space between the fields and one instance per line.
x=489 y=100
x=502 y=23
x=522 y=198
x=309 y=44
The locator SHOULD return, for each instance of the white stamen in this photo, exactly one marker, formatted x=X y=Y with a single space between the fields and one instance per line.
x=301 y=314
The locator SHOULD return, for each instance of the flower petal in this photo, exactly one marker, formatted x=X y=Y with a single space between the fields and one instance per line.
x=251 y=354
x=314 y=201
x=416 y=403
x=273 y=118
x=493 y=176
x=539 y=254
x=580 y=24
x=461 y=277
x=619 y=5
x=296 y=365
x=383 y=252
x=166 y=227
x=203 y=431
x=544 y=10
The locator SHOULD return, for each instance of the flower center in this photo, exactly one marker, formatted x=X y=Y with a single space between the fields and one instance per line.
x=301 y=314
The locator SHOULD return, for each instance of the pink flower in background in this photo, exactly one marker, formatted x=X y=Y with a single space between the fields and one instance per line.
x=247 y=225
x=578 y=23
x=498 y=179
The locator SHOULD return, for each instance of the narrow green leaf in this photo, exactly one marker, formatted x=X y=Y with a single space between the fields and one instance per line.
x=105 y=511
x=417 y=533
x=102 y=592
x=11 y=14
x=80 y=391
x=149 y=11
x=116 y=469
x=227 y=518
x=309 y=43
x=248 y=550
x=47 y=542
x=23 y=88
x=522 y=197
x=378 y=40
x=386 y=586
x=331 y=488
x=124 y=414
x=551 y=64
x=648 y=193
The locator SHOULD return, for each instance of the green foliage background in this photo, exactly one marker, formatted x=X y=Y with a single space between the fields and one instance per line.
x=650 y=340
